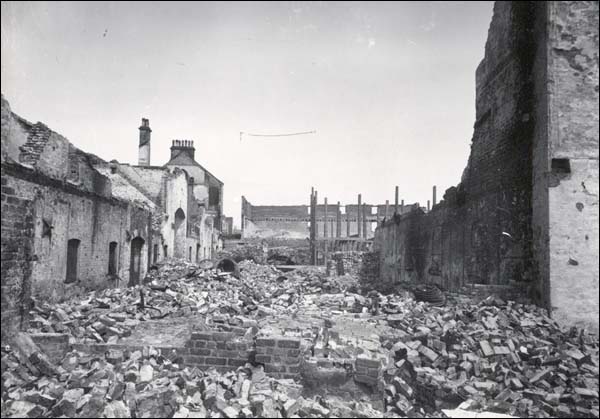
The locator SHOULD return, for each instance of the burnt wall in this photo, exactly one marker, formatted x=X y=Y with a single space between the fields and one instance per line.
x=481 y=231
x=526 y=211
x=39 y=217
x=17 y=256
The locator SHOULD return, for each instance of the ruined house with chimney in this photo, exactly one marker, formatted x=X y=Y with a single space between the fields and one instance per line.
x=73 y=222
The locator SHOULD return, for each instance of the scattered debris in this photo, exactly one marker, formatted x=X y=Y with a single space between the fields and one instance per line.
x=494 y=358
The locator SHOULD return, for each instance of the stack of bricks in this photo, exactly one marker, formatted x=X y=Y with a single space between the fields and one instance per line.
x=220 y=350
x=368 y=370
x=281 y=356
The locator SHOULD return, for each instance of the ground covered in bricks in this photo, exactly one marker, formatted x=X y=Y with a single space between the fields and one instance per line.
x=245 y=339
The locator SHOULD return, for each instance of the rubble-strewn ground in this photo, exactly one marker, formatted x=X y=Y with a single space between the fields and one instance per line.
x=406 y=358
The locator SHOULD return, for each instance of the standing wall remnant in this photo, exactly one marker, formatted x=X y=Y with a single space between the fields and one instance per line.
x=525 y=214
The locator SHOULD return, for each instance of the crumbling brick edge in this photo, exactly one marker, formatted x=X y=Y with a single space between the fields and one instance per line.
x=282 y=356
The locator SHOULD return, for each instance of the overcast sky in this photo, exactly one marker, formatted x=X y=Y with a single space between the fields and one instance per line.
x=388 y=87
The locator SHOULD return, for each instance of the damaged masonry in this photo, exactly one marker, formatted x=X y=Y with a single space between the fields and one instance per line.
x=127 y=292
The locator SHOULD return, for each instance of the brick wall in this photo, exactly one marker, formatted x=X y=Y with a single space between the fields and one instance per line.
x=220 y=350
x=568 y=168
x=280 y=355
x=526 y=211
x=39 y=216
x=17 y=256
x=480 y=233
x=224 y=351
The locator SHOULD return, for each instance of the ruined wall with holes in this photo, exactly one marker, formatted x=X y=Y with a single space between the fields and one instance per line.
x=526 y=211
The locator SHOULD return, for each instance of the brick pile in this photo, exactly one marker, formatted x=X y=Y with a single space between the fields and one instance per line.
x=506 y=358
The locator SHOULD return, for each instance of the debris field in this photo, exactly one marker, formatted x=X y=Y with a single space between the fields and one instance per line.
x=261 y=342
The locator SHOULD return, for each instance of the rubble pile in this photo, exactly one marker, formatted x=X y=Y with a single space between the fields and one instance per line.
x=180 y=289
x=285 y=255
x=424 y=358
x=494 y=356
x=254 y=251
x=146 y=384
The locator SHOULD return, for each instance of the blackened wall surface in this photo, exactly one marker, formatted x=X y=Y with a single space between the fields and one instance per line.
x=526 y=210
x=480 y=232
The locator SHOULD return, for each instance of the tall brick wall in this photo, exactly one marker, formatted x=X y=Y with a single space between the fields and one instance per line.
x=517 y=217
x=481 y=232
x=569 y=165
x=17 y=256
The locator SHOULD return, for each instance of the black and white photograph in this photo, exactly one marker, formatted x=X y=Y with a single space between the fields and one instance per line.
x=300 y=209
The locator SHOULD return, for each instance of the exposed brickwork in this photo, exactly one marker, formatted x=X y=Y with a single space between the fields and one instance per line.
x=220 y=350
x=17 y=255
x=481 y=232
x=511 y=220
x=33 y=148
x=368 y=370
x=281 y=356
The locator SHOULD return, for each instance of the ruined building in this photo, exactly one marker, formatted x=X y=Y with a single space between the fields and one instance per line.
x=293 y=221
x=525 y=214
x=73 y=222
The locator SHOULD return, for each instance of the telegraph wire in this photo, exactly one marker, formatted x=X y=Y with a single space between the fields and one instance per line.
x=276 y=135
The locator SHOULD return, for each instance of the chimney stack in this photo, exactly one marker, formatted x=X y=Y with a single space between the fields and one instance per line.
x=183 y=146
x=144 y=147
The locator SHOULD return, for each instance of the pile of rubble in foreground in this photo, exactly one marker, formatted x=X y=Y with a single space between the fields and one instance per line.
x=493 y=356
x=145 y=384
x=505 y=358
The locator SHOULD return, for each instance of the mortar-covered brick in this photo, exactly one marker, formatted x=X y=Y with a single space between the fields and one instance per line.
x=202 y=336
x=237 y=362
x=194 y=360
x=222 y=336
x=265 y=342
x=288 y=343
x=200 y=351
x=367 y=362
x=293 y=352
x=263 y=359
x=216 y=361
